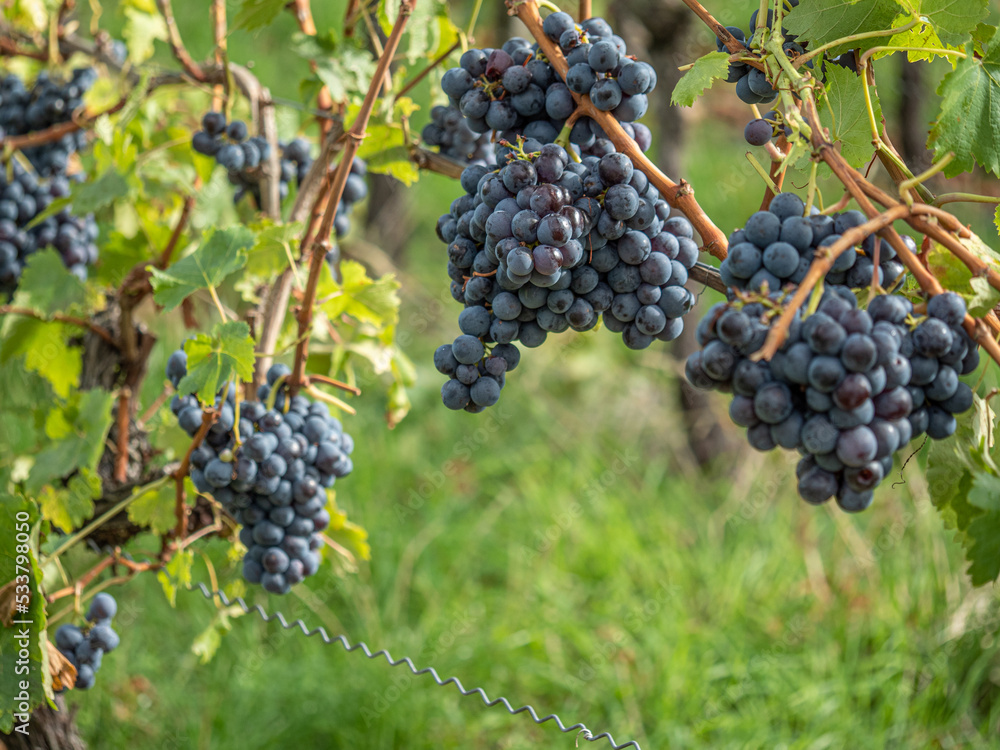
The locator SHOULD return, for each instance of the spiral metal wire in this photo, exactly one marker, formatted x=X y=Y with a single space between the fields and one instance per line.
x=581 y=729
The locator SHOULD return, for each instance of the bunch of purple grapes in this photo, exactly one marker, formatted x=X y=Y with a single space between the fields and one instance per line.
x=273 y=480
x=775 y=247
x=514 y=91
x=545 y=244
x=48 y=102
x=848 y=389
x=85 y=648
x=242 y=155
x=450 y=133
x=600 y=66
x=22 y=198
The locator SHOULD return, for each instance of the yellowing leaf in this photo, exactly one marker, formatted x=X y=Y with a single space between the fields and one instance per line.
x=176 y=574
x=45 y=351
x=155 y=508
x=68 y=507
x=369 y=301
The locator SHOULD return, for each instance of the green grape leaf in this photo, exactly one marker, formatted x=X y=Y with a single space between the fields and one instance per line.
x=822 y=21
x=140 y=31
x=953 y=20
x=27 y=397
x=269 y=256
x=996 y=218
x=367 y=300
x=77 y=432
x=392 y=157
x=119 y=255
x=45 y=350
x=949 y=481
x=256 y=14
x=983 y=297
x=93 y=195
x=345 y=69
x=155 y=508
x=223 y=253
x=22 y=630
x=176 y=574
x=981 y=36
x=385 y=148
x=970 y=109
x=844 y=111
x=964 y=484
x=983 y=536
x=217 y=358
x=700 y=77
x=47 y=285
x=68 y=507
x=979 y=296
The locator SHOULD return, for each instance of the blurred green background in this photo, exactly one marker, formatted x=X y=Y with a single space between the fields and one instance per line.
x=597 y=545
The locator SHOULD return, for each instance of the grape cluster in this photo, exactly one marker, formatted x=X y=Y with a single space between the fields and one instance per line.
x=48 y=102
x=22 y=197
x=451 y=134
x=515 y=91
x=848 y=389
x=776 y=247
x=274 y=480
x=84 y=650
x=544 y=244
x=242 y=156
x=600 y=67
x=475 y=376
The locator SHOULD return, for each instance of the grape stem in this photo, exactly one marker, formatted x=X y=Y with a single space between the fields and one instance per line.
x=55 y=132
x=221 y=58
x=91 y=326
x=861 y=189
x=679 y=195
x=335 y=383
x=303 y=16
x=964 y=198
x=734 y=45
x=321 y=241
x=423 y=73
x=759 y=169
x=208 y=418
x=271 y=313
x=9 y=48
x=121 y=446
x=801 y=60
x=177 y=44
x=707 y=275
x=104 y=517
x=821 y=265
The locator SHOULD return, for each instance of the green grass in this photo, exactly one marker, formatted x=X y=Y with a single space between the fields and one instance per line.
x=564 y=551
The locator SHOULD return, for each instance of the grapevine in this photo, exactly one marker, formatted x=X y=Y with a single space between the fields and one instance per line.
x=146 y=191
